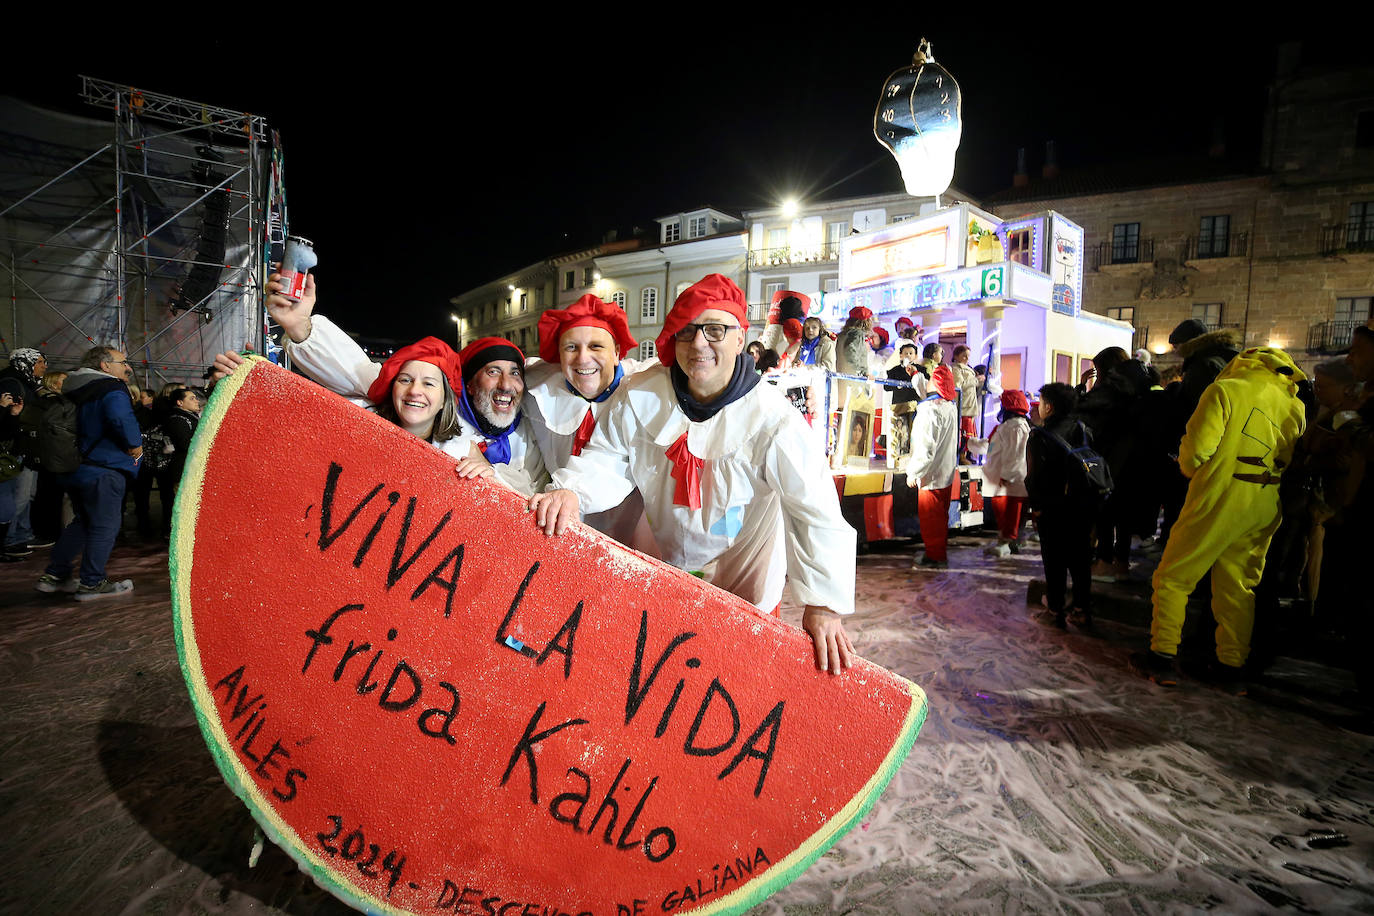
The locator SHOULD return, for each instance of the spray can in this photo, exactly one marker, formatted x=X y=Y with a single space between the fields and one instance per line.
x=296 y=261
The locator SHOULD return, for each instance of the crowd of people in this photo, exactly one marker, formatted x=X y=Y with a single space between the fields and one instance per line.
x=1234 y=467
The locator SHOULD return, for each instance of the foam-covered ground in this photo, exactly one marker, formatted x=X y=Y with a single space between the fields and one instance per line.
x=1047 y=777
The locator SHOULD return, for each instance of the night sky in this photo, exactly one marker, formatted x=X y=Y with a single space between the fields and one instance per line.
x=424 y=161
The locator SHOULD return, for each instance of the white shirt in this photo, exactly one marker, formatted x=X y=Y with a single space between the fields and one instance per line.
x=334 y=360
x=555 y=414
x=934 y=444
x=769 y=507
x=1007 y=459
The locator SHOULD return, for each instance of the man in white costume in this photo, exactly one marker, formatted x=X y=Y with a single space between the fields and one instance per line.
x=581 y=364
x=933 y=466
x=733 y=486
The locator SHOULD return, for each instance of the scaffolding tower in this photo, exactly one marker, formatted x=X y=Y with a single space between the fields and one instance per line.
x=155 y=241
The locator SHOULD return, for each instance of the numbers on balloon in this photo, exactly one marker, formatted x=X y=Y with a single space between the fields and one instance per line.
x=352 y=849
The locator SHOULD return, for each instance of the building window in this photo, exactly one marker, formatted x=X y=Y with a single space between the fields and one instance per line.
x=830 y=283
x=618 y=298
x=1354 y=310
x=696 y=227
x=1209 y=313
x=524 y=303
x=538 y=297
x=681 y=288
x=672 y=231
x=1125 y=243
x=569 y=279
x=1214 y=236
x=646 y=350
x=648 y=304
x=1125 y=313
x=1359 y=226
x=1019 y=246
x=587 y=278
x=777 y=238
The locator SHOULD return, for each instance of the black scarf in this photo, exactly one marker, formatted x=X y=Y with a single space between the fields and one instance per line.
x=741 y=383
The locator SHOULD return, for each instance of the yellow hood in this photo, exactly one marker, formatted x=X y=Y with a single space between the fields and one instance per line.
x=1264 y=364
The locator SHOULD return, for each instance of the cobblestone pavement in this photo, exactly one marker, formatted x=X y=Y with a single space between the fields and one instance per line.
x=1046 y=778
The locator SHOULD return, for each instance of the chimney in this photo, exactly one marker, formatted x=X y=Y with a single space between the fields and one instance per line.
x=1051 y=167
x=1020 y=179
x=1218 y=148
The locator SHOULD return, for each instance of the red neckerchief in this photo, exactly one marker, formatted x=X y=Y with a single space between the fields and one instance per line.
x=687 y=473
x=584 y=432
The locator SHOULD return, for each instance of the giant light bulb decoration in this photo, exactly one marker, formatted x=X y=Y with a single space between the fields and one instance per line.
x=919 y=120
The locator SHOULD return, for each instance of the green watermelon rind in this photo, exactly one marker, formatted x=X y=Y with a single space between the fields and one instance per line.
x=181 y=558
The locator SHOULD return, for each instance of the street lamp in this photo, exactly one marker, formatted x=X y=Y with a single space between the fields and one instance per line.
x=457 y=330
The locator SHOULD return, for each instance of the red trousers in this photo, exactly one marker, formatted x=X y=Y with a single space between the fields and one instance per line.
x=1008 y=509
x=932 y=509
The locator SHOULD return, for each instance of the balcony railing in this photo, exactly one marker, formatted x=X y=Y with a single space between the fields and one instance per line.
x=1105 y=253
x=799 y=254
x=1234 y=245
x=1331 y=336
x=1354 y=237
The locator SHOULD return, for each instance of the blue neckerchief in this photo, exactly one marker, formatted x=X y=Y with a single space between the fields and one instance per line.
x=610 y=389
x=498 y=440
x=807 y=354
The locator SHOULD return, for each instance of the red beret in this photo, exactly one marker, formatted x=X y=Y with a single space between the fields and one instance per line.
x=713 y=291
x=859 y=313
x=485 y=350
x=431 y=350
x=1015 y=400
x=904 y=321
x=587 y=312
x=943 y=379
x=882 y=334
x=792 y=329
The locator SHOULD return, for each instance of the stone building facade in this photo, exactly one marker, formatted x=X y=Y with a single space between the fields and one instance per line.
x=1283 y=253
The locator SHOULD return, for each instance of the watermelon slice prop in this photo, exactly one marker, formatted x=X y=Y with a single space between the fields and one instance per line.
x=432 y=707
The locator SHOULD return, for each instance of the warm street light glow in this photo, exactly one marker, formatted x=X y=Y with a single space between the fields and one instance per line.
x=789 y=207
x=455 y=318
x=510 y=286
x=1160 y=349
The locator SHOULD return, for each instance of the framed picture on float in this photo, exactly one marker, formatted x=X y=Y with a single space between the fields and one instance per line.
x=856 y=433
x=902 y=416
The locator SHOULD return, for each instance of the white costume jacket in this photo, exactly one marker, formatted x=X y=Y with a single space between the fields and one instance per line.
x=769 y=509
x=934 y=444
x=334 y=360
x=1007 y=458
x=554 y=414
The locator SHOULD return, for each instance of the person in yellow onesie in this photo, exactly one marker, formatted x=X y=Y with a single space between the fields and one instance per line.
x=1238 y=441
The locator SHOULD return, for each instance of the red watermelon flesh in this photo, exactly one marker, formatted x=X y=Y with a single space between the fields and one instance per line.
x=434 y=707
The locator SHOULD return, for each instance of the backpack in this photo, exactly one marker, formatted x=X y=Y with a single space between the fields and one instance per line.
x=157 y=448
x=56 y=450
x=1090 y=479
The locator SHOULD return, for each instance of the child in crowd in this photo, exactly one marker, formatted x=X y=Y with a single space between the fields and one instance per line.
x=1004 y=473
x=1064 y=521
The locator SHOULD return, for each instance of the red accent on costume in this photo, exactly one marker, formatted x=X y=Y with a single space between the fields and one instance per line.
x=584 y=432
x=687 y=473
x=589 y=311
x=932 y=509
x=430 y=350
x=1008 y=510
x=714 y=291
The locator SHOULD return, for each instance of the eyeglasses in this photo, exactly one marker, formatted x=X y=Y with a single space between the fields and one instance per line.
x=712 y=332
x=118 y=362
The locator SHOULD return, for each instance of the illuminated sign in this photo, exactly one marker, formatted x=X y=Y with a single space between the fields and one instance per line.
x=910 y=248
x=904 y=256
x=928 y=291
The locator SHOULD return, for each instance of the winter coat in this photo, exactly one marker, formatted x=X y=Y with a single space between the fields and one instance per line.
x=1203 y=357
x=1007 y=458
